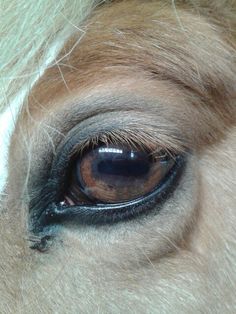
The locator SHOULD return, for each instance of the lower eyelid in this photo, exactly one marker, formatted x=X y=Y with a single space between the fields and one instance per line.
x=102 y=213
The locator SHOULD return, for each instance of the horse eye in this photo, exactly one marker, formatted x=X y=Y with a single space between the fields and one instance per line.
x=105 y=185
x=115 y=174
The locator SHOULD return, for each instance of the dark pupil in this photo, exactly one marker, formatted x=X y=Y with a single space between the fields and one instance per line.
x=127 y=164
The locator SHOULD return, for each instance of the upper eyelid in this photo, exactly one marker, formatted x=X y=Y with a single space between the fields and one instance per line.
x=123 y=126
x=154 y=111
x=77 y=110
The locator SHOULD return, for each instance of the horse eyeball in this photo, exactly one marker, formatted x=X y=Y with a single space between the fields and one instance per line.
x=116 y=174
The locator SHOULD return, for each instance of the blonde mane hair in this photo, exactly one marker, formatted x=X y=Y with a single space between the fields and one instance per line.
x=32 y=33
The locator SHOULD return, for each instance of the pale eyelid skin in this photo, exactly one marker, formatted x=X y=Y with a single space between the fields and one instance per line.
x=71 y=112
x=166 y=101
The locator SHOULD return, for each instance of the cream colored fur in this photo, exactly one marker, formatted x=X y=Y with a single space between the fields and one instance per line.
x=32 y=34
x=181 y=260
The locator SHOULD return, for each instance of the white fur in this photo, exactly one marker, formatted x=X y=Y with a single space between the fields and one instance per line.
x=13 y=93
x=9 y=116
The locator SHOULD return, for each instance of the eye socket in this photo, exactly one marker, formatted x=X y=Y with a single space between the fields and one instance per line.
x=105 y=184
x=115 y=174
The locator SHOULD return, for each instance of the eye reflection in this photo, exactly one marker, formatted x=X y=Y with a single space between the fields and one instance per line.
x=115 y=174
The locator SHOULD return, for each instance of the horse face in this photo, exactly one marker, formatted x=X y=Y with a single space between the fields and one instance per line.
x=155 y=85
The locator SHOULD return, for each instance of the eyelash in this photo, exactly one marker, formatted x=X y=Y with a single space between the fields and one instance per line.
x=47 y=209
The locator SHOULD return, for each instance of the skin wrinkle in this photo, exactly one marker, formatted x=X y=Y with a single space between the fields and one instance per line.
x=100 y=102
x=139 y=64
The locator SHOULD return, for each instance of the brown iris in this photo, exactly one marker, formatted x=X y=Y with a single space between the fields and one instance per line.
x=110 y=174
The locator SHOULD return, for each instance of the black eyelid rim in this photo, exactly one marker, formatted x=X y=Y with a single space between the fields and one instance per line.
x=100 y=214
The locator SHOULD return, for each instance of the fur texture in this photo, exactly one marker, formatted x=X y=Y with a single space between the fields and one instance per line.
x=150 y=72
x=32 y=34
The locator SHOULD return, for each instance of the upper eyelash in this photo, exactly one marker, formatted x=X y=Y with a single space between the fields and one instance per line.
x=136 y=140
